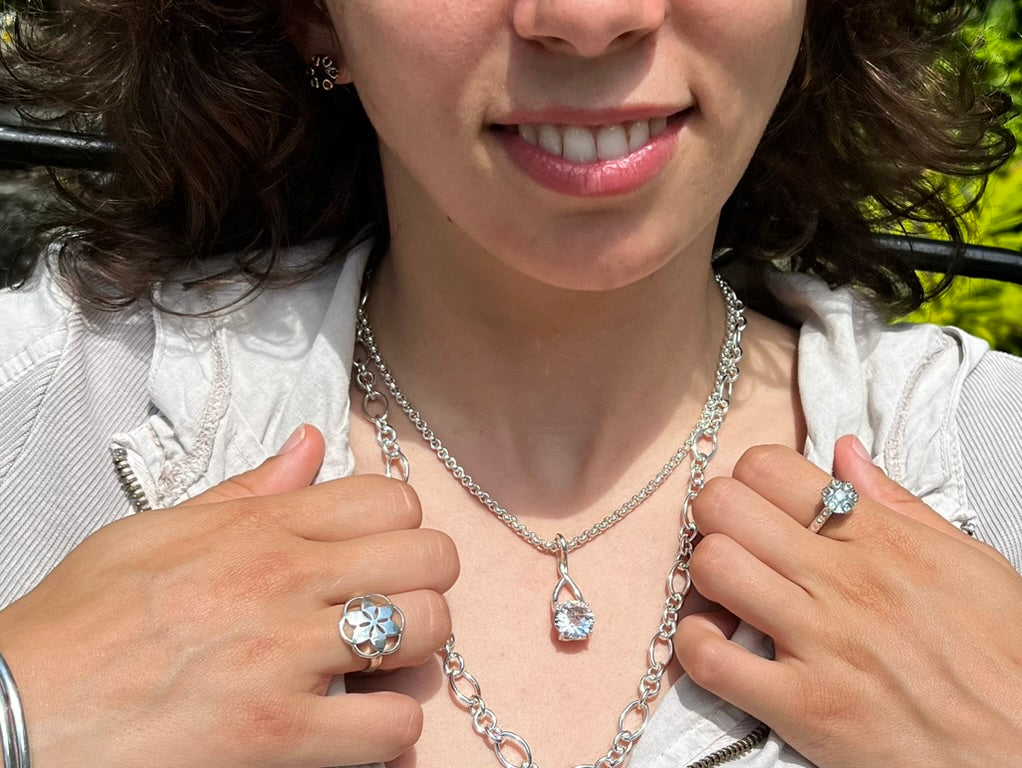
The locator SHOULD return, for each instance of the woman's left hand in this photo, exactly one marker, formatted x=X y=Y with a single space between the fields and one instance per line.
x=898 y=638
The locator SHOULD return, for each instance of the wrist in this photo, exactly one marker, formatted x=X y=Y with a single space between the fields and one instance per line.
x=13 y=731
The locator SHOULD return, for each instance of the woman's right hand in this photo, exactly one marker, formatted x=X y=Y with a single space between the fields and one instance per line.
x=206 y=635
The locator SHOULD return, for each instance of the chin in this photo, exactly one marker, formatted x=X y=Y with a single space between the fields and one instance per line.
x=606 y=249
x=597 y=258
x=590 y=271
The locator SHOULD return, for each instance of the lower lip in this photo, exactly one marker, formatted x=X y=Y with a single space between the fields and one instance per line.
x=600 y=179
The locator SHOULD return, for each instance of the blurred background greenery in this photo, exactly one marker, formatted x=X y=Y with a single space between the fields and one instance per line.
x=987 y=308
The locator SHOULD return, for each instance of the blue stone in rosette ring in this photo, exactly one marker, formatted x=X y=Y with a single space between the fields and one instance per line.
x=840 y=497
x=574 y=620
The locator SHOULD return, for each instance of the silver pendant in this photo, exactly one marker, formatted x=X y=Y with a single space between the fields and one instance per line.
x=573 y=618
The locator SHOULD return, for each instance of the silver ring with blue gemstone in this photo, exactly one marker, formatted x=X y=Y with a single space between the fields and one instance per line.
x=839 y=498
x=371 y=625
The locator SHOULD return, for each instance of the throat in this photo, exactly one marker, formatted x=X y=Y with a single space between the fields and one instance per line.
x=572 y=462
x=552 y=383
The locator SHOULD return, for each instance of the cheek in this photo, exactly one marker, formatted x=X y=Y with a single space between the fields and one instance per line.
x=747 y=50
x=413 y=63
x=738 y=55
x=406 y=44
x=749 y=29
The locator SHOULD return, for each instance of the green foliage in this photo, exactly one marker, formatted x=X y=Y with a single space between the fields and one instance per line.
x=998 y=219
x=996 y=39
x=987 y=308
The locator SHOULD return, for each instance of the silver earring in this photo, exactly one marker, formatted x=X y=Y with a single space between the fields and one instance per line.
x=323 y=73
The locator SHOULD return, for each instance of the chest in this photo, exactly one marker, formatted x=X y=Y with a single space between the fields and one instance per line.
x=564 y=698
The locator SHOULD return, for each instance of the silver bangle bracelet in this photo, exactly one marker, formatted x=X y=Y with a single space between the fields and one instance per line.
x=13 y=733
x=8 y=754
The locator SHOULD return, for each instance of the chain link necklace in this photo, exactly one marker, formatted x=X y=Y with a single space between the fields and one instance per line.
x=573 y=618
x=511 y=749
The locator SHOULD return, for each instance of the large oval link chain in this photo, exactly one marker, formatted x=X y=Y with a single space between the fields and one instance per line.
x=701 y=447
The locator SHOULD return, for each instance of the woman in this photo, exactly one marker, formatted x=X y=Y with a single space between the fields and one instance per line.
x=546 y=182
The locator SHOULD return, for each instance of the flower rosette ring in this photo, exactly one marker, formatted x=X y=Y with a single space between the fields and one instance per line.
x=372 y=626
x=839 y=498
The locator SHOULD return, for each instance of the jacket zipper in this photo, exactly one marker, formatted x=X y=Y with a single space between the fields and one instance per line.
x=735 y=750
x=129 y=481
x=724 y=755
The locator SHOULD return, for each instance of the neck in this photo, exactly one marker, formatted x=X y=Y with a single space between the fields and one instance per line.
x=556 y=389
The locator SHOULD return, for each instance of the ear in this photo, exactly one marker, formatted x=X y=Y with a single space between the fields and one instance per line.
x=311 y=28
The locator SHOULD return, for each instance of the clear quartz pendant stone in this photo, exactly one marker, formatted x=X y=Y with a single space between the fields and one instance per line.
x=574 y=620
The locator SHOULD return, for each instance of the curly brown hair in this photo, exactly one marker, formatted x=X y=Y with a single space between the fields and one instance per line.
x=223 y=147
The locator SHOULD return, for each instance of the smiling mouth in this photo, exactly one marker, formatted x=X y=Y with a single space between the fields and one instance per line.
x=590 y=144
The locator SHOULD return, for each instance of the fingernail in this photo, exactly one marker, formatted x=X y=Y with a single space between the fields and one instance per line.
x=292 y=442
x=860 y=450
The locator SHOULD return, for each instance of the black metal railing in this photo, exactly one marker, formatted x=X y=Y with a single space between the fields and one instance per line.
x=28 y=147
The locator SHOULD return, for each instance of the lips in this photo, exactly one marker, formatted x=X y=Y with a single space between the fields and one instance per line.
x=595 y=157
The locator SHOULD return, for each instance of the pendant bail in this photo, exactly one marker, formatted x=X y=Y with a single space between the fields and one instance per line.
x=573 y=619
x=562 y=555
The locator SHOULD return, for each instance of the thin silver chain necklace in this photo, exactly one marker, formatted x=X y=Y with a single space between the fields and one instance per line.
x=511 y=749
x=572 y=618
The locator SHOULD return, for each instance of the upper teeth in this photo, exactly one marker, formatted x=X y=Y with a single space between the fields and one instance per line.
x=580 y=144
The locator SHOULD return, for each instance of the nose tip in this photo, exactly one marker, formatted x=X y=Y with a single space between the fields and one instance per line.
x=587 y=28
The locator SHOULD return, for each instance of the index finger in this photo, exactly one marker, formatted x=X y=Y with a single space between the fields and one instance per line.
x=351 y=507
x=795 y=485
x=336 y=510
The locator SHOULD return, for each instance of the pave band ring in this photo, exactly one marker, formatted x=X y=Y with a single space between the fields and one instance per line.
x=838 y=499
x=372 y=626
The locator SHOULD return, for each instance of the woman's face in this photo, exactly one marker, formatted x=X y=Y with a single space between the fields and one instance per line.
x=584 y=143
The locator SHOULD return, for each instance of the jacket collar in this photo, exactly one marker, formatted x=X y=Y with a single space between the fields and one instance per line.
x=228 y=388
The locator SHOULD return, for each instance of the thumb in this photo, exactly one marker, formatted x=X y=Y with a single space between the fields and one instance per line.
x=852 y=463
x=293 y=467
